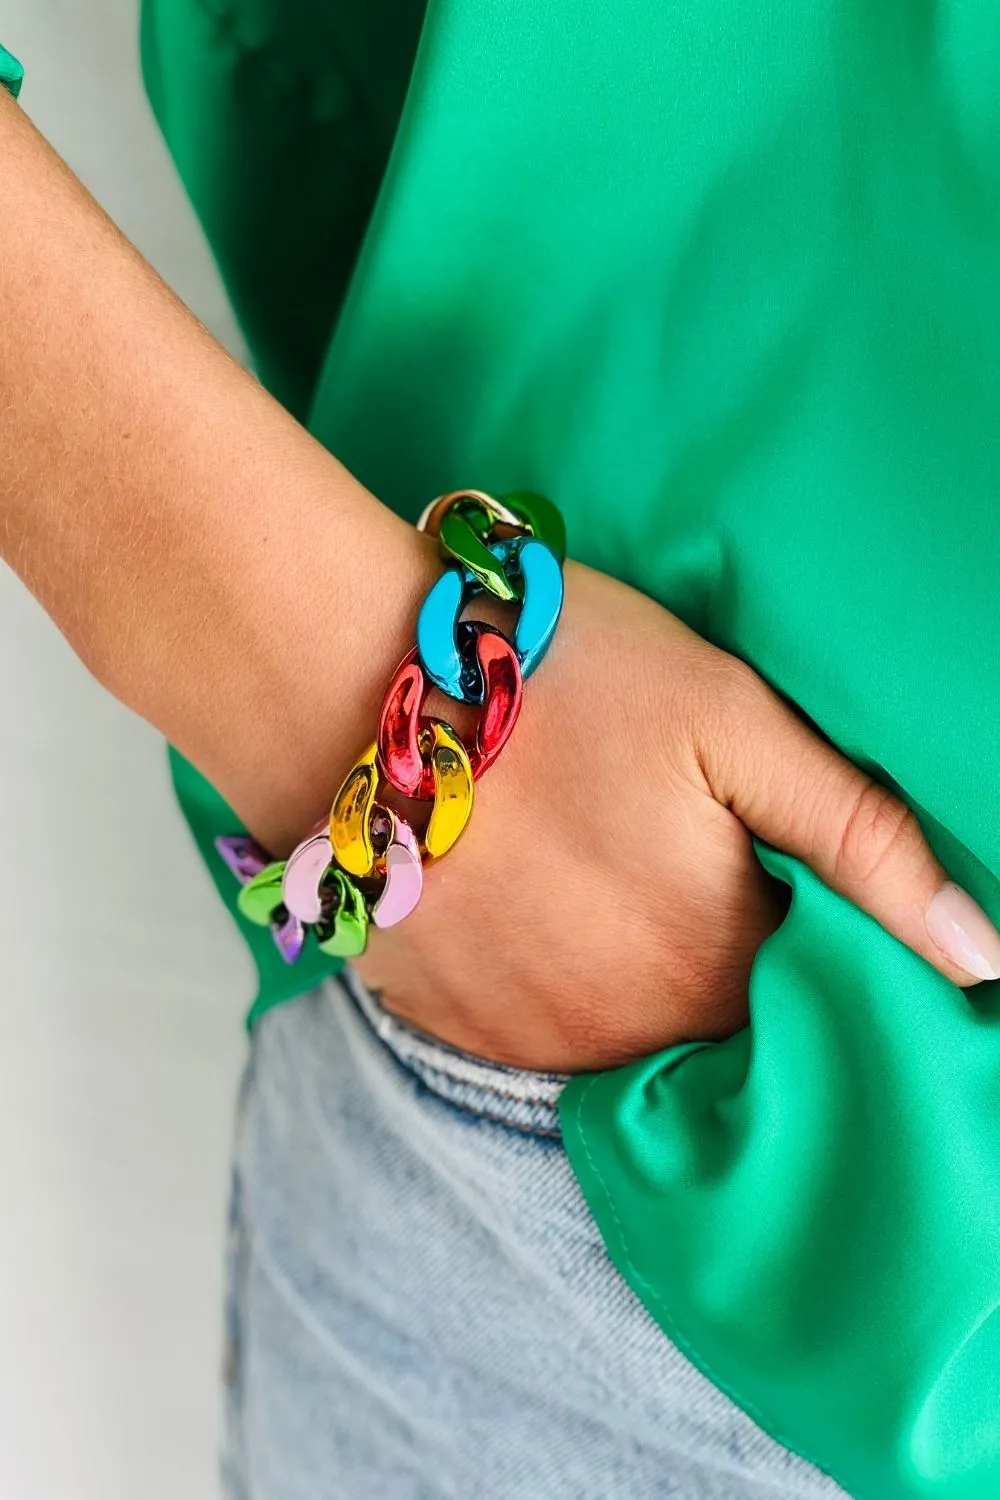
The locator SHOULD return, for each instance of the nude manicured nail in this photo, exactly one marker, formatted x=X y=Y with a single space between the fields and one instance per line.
x=963 y=931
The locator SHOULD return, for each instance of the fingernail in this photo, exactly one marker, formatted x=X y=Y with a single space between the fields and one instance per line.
x=964 y=932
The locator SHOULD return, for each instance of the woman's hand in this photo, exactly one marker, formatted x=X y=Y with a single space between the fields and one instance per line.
x=605 y=899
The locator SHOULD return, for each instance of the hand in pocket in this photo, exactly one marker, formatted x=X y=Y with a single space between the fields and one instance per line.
x=605 y=900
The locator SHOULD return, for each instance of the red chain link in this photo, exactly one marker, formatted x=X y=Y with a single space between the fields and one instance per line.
x=403 y=724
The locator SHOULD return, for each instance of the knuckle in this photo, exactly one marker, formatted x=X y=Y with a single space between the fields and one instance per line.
x=877 y=829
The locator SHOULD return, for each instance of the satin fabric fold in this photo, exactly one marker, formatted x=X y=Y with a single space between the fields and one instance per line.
x=809 y=1209
x=11 y=72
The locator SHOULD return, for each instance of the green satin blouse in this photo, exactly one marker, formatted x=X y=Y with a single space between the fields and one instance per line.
x=724 y=280
x=11 y=72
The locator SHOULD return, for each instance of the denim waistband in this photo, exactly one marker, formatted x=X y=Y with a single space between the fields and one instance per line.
x=517 y=1097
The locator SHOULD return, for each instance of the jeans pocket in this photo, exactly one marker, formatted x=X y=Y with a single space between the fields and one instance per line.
x=518 y=1098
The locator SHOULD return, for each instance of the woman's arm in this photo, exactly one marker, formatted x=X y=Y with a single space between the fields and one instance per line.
x=211 y=563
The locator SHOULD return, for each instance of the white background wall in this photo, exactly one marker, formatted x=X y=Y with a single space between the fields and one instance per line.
x=120 y=1006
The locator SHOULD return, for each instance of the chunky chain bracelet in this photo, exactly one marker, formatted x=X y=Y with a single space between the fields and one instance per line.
x=365 y=864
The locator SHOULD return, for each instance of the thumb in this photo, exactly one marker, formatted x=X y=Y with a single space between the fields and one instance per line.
x=797 y=792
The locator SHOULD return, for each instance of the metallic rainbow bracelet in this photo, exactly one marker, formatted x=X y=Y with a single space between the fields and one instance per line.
x=365 y=863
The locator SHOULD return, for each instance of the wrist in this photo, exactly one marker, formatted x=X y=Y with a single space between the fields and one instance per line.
x=323 y=629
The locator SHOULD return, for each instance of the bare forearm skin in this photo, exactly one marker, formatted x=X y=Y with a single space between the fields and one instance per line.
x=210 y=562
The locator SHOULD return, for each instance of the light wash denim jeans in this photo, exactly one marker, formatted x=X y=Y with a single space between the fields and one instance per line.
x=420 y=1307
